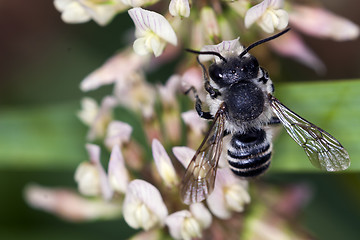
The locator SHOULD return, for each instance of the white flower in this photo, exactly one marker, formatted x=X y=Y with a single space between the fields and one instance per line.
x=268 y=15
x=118 y=133
x=189 y=224
x=117 y=172
x=91 y=176
x=230 y=194
x=118 y=68
x=143 y=206
x=179 y=8
x=80 y=11
x=321 y=23
x=163 y=164
x=225 y=48
x=70 y=205
x=152 y=32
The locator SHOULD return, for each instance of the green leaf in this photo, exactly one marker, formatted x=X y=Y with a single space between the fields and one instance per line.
x=41 y=137
x=331 y=105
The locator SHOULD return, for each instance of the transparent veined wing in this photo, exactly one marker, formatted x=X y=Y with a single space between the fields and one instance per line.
x=323 y=150
x=198 y=181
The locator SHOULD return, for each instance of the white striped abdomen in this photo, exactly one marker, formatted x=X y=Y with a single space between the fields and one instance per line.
x=249 y=154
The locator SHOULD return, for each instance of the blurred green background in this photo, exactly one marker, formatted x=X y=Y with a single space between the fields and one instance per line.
x=42 y=63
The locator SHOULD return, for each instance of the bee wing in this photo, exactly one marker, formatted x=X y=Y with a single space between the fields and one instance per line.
x=323 y=150
x=198 y=181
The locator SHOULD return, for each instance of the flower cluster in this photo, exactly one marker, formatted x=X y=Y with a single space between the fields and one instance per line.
x=143 y=187
x=196 y=24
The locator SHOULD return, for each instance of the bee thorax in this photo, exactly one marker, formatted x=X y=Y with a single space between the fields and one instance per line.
x=245 y=101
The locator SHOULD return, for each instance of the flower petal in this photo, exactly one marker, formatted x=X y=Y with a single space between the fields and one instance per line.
x=60 y=5
x=267 y=22
x=163 y=164
x=118 y=133
x=321 y=23
x=102 y=119
x=143 y=205
x=283 y=17
x=168 y=92
x=268 y=15
x=156 y=45
x=201 y=213
x=174 y=222
x=194 y=121
x=117 y=172
x=74 y=12
x=145 y=21
x=137 y=3
x=184 y=155
x=225 y=48
x=131 y=95
x=102 y=14
x=154 y=234
x=291 y=45
x=70 y=205
x=229 y=194
x=116 y=69
x=191 y=229
x=209 y=22
x=94 y=153
x=255 y=12
x=179 y=8
x=140 y=46
x=88 y=179
x=89 y=110
x=187 y=225
x=79 y=11
x=193 y=77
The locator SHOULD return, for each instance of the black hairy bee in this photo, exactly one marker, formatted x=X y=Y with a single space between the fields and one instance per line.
x=243 y=108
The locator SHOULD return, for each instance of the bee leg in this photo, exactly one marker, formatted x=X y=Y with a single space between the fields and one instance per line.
x=274 y=120
x=198 y=105
x=214 y=93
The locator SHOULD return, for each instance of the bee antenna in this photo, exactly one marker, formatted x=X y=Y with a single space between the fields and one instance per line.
x=263 y=41
x=207 y=53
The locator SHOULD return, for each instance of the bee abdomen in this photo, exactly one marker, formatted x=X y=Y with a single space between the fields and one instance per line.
x=249 y=154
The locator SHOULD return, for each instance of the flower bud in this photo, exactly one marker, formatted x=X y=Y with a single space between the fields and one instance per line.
x=164 y=165
x=179 y=8
x=210 y=24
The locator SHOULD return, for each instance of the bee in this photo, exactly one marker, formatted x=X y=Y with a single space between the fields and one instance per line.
x=243 y=109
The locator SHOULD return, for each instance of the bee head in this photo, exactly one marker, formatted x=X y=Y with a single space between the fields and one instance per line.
x=238 y=68
x=234 y=70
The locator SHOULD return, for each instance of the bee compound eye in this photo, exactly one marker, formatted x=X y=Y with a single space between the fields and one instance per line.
x=216 y=73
